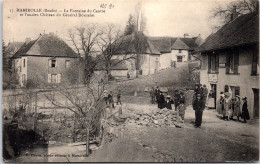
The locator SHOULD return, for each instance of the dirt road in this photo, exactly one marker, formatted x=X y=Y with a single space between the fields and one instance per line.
x=216 y=141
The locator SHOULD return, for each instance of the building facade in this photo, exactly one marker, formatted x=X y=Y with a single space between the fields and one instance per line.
x=46 y=60
x=230 y=61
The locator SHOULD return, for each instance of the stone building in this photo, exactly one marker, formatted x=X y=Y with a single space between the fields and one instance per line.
x=230 y=60
x=46 y=60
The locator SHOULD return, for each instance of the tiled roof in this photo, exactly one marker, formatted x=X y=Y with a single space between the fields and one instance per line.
x=179 y=45
x=241 y=31
x=163 y=44
x=46 y=45
x=128 y=44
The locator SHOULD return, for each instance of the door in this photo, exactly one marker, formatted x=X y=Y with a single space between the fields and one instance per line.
x=214 y=93
x=256 y=102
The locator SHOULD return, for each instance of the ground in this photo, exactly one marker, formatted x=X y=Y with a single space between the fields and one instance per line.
x=216 y=141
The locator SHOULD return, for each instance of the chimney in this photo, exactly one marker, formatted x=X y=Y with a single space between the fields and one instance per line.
x=234 y=13
x=27 y=40
x=186 y=35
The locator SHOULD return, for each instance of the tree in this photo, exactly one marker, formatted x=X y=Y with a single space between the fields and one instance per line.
x=84 y=40
x=241 y=7
x=131 y=26
x=140 y=17
x=111 y=43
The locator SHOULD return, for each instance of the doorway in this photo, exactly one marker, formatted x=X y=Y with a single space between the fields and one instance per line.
x=256 y=102
x=214 y=93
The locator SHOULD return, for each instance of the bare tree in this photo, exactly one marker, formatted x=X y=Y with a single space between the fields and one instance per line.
x=242 y=7
x=84 y=40
x=140 y=17
x=112 y=43
x=86 y=103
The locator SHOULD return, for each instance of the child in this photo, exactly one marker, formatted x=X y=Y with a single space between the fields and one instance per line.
x=181 y=109
x=168 y=102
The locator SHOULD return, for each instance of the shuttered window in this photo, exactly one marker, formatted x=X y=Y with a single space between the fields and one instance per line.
x=54 y=78
x=226 y=89
x=213 y=62
x=232 y=61
x=255 y=61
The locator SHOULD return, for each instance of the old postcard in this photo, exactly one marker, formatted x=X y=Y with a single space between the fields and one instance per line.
x=130 y=81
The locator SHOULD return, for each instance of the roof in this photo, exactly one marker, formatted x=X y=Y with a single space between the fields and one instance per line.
x=243 y=30
x=179 y=45
x=46 y=45
x=115 y=65
x=135 y=42
x=164 y=44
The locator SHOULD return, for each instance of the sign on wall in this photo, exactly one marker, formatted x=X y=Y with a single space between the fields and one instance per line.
x=213 y=78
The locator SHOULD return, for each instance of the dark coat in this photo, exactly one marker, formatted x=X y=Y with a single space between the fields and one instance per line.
x=245 y=113
x=198 y=105
x=168 y=104
x=161 y=101
x=177 y=99
x=182 y=100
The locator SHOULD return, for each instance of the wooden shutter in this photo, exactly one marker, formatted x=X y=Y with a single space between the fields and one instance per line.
x=237 y=90
x=254 y=61
x=226 y=89
x=227 y=63
x=209 y=63
x=49 y=78
x=217 y=62
x=236 y=60
x=58 y=78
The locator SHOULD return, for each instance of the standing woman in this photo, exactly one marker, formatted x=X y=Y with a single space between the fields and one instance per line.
x=245 y=113
x=237 y=107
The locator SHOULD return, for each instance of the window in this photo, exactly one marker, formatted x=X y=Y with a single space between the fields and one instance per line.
x=179 y=58
x=23 y=62
x=52 y=63
x=234 y=90
x=232 y=62
x=54 y=78
x=67 y=64
x=179 y=51
x=255 y=62
x=213 y=62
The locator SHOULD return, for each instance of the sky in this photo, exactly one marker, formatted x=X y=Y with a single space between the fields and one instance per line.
x=164 y=17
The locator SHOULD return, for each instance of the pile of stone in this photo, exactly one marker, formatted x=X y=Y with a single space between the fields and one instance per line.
x=158 y=118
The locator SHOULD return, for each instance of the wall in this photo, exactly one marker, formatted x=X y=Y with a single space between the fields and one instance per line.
x=131 y=63
x=119 y=73
x=183 y=53
x=244 y=80
x=165 y=60
x=38 y=69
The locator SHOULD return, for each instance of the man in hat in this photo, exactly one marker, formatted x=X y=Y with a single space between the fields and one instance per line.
x=168 y=102
x=161 y=100
x=152 y=94
x=176 y=99
x=198 y=106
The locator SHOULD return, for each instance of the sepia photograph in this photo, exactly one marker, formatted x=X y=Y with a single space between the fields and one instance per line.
x=130 y=81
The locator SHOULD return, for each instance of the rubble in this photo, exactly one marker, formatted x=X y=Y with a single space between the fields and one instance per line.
x=157 y=118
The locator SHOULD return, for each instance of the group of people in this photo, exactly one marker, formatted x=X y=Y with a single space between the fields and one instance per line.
x=232 y=107
x=178 y=100
x=108 y=97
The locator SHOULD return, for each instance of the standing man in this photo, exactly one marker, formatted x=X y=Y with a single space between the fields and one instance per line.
x=118 y=98
x=176 y=99
x=161 y=101
x=152 y=94
x=198 y=106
